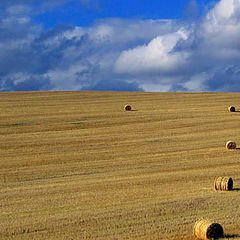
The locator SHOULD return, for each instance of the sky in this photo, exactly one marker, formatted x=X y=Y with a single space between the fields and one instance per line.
x=120 y=45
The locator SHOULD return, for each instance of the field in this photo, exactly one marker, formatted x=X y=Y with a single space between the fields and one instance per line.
x=75 y=165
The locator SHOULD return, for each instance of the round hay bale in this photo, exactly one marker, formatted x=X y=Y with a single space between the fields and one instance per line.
x=231 y=145
x=205 y=229
x=223 y=183
x=231 y=109
x=128 y=108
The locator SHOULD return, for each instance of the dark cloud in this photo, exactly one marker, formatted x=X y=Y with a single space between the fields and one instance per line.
x=114 y=85
x=30 y=83
x=226 y=79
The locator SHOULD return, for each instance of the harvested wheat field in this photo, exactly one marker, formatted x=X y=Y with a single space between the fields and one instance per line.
x=76 y=165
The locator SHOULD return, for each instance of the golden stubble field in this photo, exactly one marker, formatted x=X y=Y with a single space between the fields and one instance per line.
x=75 y=165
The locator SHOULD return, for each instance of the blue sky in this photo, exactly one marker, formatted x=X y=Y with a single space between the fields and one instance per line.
x=120 y=45
x=85 y=13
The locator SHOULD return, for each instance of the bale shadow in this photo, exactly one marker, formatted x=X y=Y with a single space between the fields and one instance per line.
x=236 y=189
x=238 y=148
x=134 y=110
x=231 y=236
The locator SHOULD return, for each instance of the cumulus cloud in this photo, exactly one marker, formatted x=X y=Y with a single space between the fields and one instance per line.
x=192 y=58
x=157 y=56
x=120 y=54
x=68 y=57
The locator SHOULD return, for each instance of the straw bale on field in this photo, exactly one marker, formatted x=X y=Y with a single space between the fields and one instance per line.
x=223 y=183
x=128 y=108
x=231 y=145
x=231 y=109
x=205 y=229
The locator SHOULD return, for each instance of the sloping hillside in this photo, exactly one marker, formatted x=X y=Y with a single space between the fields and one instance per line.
x=75 y=165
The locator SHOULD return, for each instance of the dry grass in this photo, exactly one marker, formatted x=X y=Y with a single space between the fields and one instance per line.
x=74 y=165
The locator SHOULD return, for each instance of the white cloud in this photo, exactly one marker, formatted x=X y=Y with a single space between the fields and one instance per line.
x=151 y=87
x=77 y=33
x=64 y=79
x=190 y=59
x=18 y=9
x=157 y=56
x=102 y=33
x=196 y=82
x=222 y=11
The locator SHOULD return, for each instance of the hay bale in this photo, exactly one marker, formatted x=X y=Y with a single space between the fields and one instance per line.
x=231 y=145
x=223 y=183
x=128 y=108
x=205 y=229
x=231 y=109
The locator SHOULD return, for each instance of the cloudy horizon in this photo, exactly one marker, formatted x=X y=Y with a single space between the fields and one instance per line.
x=198 y=51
